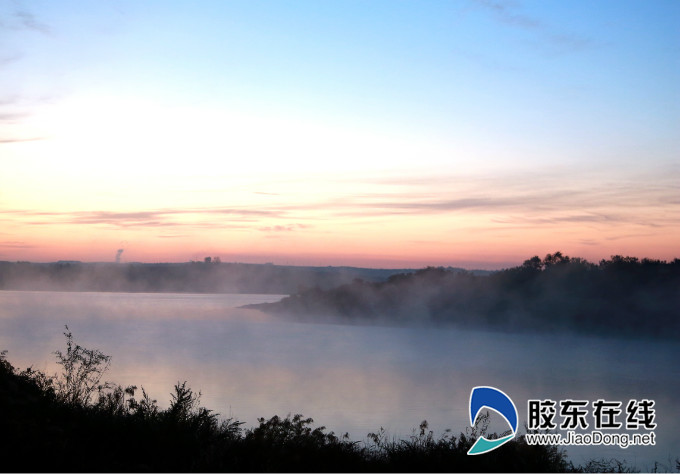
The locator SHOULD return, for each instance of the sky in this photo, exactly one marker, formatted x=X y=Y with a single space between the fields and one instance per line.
x=473 y=133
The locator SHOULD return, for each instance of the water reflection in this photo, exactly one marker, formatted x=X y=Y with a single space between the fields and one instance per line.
x=349 y=378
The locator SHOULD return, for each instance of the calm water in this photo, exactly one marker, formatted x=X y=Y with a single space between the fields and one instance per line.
x=352 y=379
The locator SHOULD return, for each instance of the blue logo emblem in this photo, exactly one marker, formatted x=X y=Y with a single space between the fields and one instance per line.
x=494 y=399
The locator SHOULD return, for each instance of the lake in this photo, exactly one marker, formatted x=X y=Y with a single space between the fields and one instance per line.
x=353 y=379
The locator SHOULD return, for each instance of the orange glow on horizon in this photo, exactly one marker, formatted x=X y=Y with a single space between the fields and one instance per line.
x=467 y=248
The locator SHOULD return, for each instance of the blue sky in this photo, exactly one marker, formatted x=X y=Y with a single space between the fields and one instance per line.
x=257 y=95
x=552 y=69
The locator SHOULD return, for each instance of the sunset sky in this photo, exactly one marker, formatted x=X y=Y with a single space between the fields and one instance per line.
x=365 y=133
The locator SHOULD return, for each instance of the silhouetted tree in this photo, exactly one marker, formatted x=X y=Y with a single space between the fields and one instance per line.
x=533 y=263
x=83 y=370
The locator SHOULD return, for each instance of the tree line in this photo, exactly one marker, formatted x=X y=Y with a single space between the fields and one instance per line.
x=617 y=296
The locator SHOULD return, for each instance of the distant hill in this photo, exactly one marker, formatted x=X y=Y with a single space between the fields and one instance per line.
x=621 y=296
x=191 y=277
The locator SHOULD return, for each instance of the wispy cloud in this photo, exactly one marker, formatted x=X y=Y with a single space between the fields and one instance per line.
x=12 y=116
x=519 y=200
x=19 y=17
x=536 y=206
x=29 y=21
x=628 y=236
x=511 y=13
x=19 y=140
x=283 y=228
x=218 y=217
x=529 y=198
x=15 y=16
x=8 y=59
x=16 y=244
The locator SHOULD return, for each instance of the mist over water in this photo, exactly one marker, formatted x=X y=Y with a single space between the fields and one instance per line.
x=352 y=379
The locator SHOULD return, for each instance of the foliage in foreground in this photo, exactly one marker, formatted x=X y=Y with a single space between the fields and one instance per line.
x=56 y=423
